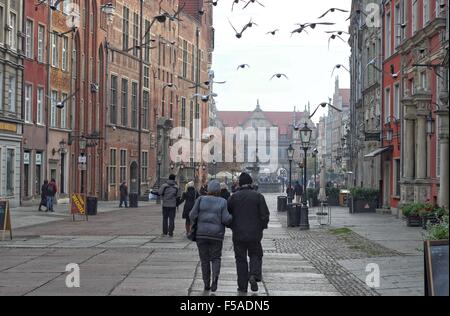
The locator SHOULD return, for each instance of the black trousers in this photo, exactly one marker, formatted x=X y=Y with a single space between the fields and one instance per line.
x=210 y=252
x=169 y=220
x=254 y=251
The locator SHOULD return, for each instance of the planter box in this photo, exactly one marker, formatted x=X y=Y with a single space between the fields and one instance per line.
x=414 y=221
x=361 y=206
x=432 y=219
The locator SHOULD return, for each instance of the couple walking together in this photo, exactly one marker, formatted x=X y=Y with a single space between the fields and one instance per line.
x=247 y=214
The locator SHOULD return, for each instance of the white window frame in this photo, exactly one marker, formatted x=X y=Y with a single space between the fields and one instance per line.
x=65 y=52
x=387 y=105
x=12 y=40
x=28 y=108
x=54 y=47
x=388 y=35
x=41 y=43
x=123 y=167
x=29 y=39
x=12 y=93
x=415 y=15
x=40 y=100
x=426 y=11
x=397 y=101
x=63 y=124
x=54 y=100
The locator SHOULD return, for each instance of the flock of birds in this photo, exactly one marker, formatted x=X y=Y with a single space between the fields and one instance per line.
x=300 y=28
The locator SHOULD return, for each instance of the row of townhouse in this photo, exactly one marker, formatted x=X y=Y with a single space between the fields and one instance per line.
x=400 y=81
x=90 y=90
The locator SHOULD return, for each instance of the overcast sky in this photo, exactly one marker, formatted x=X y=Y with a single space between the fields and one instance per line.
x=304 y=58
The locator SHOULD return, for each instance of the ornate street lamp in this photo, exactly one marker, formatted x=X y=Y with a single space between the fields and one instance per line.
x=430 y=125
x=389 y=134
x=314 y=154
x=305 y=138
x=290 y=155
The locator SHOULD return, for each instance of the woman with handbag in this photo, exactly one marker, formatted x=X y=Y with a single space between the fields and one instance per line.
x=188 y=197
x=209 y=216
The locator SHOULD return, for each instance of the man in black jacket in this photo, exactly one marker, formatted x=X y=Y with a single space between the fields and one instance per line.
x=250 y=217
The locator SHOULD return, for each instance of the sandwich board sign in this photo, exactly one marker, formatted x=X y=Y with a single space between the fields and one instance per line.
x=5 y=219
x=436 y=268
x=78 y=205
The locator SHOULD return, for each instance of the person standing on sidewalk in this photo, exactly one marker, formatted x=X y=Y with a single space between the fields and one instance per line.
x=51 y=193
x=224 y=193
x=189 y=197
x=211 y=216
x=43 y=196
x=123 y=194
x=298 y=189
x=170 y=195
x=250 y=217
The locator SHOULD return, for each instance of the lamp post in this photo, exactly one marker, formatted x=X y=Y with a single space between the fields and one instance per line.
x=290 y=154
x=305 y=137
x=158 y=200
x=315 y=152
x=82 y=144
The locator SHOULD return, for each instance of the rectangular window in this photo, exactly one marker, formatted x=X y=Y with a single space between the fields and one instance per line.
x=388 y=35
x=426 y=11
x=171 y=104
x=135 y=34
x=54 y=100
x=183 y=112
x=10 y=171
x=40 y=106
x=163 y=103
x=397 y=26
x=41 y=43
x=424 y=80
x=185 y=59
x=112 y=166
x=2 y=103
x=437 y=8
x=113 y=107
x=55 y=58
x=144 y=167
x=12 y=31
x=28 y=103
x=29 y=39
x=415 y=15
x=397 y=169
x=12 y=93
x=147 y=42
x=123 y=165
x=397 y=101
x=387 y=105
x=64 y=110
x=134 y=102
x=147 y=77
x=145 y=107
x=124 y=112
x=125 y=28
x=65 y=52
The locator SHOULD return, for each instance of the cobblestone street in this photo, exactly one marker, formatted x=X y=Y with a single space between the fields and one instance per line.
x=120 y=252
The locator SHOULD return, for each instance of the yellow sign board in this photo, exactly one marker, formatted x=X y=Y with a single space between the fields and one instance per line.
x=8 y=127
x=78 y=204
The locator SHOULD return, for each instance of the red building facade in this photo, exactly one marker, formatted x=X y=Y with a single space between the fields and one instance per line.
x=413 y=52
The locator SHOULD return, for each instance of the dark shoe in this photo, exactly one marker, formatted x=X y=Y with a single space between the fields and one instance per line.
x=214 y=285
x=207 y=286
x=253 y=284
x=170 y=235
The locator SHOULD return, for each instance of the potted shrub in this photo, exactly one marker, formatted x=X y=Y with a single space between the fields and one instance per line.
x=312 y=196
x=413 y=213
x=439 y=230
x=333 y=196
x=432 y=215
x=363 y=200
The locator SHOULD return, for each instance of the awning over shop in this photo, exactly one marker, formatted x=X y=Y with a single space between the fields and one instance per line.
x=378 y=152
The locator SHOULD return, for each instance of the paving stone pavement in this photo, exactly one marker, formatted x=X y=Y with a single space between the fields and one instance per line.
x=121 y=252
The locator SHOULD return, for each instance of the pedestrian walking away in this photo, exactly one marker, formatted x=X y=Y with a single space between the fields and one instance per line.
x=170 y=195
x=250 y=218
x=224 y=193
x=43 y=196
x=123 y=194
x=210 y=215
x=51 y=194
x=188 y=198
x=298 y=190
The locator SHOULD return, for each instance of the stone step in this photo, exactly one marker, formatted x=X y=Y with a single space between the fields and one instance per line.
x=384 y=211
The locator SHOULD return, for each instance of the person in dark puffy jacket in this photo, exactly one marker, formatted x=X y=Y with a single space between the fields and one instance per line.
x=211 y=215
x=224 y=193
x=188 y=198
x=250 y=218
